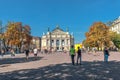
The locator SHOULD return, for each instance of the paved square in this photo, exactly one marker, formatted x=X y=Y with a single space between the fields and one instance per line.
x=58 y=66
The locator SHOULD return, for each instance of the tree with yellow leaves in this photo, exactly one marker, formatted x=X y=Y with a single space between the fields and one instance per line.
x=98 y=35
x=16 y=33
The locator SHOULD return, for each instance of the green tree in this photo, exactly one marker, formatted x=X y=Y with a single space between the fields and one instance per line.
x=115 y=38
x=85 y=44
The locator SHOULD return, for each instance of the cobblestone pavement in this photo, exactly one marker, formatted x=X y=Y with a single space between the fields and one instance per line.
x=57 y=66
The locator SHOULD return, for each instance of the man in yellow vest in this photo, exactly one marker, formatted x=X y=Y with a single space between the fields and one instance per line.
x=72 y=53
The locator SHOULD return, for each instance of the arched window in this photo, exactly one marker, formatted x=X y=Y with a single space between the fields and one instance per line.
x=52 y=42
x=57 y=43
x=63 y=42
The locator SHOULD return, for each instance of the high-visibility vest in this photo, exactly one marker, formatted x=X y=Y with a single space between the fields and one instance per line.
x=72 y=51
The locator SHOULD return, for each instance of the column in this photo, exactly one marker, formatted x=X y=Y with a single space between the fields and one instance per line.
x=65 y=46
x=54 y=44
x=60 y=44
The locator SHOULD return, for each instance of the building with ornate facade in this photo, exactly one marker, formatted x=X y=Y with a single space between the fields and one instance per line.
x=57 y=40
x=116 y=25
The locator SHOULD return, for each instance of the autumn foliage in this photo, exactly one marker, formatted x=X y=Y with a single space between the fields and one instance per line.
x=17 y=34
x=98 y=35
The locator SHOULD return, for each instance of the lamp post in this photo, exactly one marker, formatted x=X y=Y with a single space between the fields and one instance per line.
x=1 y=29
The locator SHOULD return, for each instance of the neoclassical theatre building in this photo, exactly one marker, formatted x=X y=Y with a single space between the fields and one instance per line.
x=57 y=40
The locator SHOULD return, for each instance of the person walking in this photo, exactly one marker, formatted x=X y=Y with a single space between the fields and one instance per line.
x=2 y=52
x=35 y=52
x=12 y=52
x=79 y=55
x=27 y=53
x=106 y=54
x=72 y=54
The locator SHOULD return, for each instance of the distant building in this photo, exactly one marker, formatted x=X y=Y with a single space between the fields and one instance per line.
x=57 y=40
x=36 y=42
x=115 y=26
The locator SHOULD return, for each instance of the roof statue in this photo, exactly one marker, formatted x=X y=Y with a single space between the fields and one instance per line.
x=58 y=28
x=48 y=29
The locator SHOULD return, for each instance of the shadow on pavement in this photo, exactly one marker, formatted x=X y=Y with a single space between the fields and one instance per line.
x=18 y=60
x=88 y=71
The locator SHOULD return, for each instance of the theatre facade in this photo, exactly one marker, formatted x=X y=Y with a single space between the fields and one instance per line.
x=57 y=40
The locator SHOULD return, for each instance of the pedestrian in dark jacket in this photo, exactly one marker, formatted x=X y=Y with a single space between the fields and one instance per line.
x=27 y=52
x=79 y=55
x=106 y=54
x=2 y=53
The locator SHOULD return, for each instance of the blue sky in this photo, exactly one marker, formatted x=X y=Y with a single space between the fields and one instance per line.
x=77 y=15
